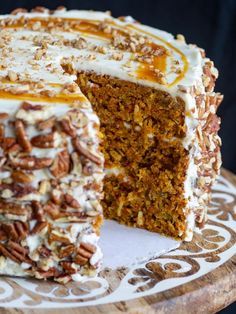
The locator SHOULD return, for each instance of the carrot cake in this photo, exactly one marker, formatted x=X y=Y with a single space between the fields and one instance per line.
x=64 y=73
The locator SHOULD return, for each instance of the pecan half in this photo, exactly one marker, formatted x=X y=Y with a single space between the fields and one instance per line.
x=28 y=107
x=84 y=253
x=8 y=254
x=61 y=164
x=46 y=124
x=67 y=127
x=4 y=115
x=39 y=226
x=66 y=251
x=43 y=141
x=16 y=231
x=85 y=152
x=38 y=212
x=20 y=257
x=21 y=177
x=31 y=163
x=16 y=246
x=71 y=201
x=52 y=210
x=22 y=137
x=14 y=209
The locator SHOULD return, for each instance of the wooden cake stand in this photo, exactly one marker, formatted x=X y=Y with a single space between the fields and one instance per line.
x=198 y=277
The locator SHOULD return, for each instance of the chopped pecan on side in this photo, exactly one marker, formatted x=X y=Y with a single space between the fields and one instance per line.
x=46 y=124
x=43 y=141
x=63 y=279
x=39 y=226
x=21 y=177
x=38 y=212
x=31 y=163
x=67 y=127
x=67 y=266
x=212 y=124
x=73 y=216
x=77 y=166
x=61 y=164
x=52 y=272
x=22 y=137
x=44 y=187
x=71 y=201
x=66 y=251
x=56 y=236
x=84 y=253
x=56 y=196
x=16 y=231
x=85 y=152
x=209 y=78
x=44 y=251
x=93 y=186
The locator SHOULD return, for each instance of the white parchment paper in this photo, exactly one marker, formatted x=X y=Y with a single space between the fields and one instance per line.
x=125 y=246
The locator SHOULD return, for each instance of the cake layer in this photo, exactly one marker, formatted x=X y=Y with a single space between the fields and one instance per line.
x=50 y=182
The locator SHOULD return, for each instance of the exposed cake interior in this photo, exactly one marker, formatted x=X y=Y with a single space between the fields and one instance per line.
x=146 y=162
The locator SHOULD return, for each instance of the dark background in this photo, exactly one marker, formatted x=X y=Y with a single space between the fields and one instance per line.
x=211 y=24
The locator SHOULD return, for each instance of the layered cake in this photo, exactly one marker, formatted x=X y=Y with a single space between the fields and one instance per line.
x=79 y=85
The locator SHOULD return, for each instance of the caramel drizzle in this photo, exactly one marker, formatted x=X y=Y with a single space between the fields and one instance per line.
x=90 y=27
x=183 y=57
x=59 y=98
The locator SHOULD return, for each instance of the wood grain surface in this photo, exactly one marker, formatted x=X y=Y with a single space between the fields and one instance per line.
x=207 y=294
